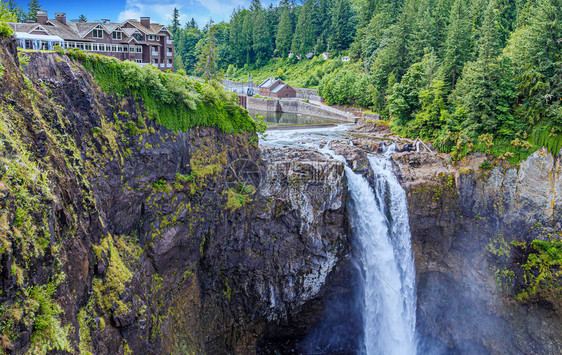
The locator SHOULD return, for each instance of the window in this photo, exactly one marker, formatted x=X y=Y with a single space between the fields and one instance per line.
x=116 y=34
x=97 y=33
x=139 y=49
x=95 y=47
x=151 y=38
x=88 y=46
x=102 y=47
x=125 y=49
x=114 y=48
x=139 y=60
x=154 y=61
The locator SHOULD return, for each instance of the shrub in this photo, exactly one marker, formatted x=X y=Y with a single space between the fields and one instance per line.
x=5 y=30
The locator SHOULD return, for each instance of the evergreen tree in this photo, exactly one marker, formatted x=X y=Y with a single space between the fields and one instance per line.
x=490 y=45
x=15 y=9
x=535 y=50
x=285 y=33
x=208 y=54
x=82 y=18
x=255 y=6
x=341 y=29
x=261 y=38
x=457 y=44
x=247 y=37
x=191 y=24
x=175 y=22
x=6 y=14
x=484 y=97
x=425 y=33
x=303 y=40
x=33 y=7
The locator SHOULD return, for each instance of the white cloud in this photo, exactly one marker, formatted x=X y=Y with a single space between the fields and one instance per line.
x=161 y=11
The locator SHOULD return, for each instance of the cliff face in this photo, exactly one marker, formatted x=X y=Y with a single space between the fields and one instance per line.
x=463 y=220
x=121 y=235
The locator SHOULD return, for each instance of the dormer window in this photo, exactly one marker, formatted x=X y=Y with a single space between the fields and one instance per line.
x=117 y=35
x=97 y=33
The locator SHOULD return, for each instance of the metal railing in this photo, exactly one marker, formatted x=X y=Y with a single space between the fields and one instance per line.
x=154 y=53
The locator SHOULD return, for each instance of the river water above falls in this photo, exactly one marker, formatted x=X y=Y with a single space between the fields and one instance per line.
x=379 y=222
x=291 y=118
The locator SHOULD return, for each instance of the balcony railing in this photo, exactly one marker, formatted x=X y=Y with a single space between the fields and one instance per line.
x=162 y=65
x=169 y=41
x=155 y=53
x=169 y=65
x=169 y=54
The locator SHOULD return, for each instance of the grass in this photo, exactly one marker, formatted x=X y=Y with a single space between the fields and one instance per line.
x=302 y=73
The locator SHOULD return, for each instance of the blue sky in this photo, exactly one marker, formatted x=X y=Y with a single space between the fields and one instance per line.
x=159 y=10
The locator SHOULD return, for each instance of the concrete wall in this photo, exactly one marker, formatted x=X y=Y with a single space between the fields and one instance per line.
x=297 y=106
x=308 y=94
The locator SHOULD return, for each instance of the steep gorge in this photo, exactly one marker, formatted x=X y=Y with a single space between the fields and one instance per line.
x=120 y=235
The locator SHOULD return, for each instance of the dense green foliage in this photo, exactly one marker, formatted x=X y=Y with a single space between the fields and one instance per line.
x=542 y=269
x=467 y=75
x=173 y=100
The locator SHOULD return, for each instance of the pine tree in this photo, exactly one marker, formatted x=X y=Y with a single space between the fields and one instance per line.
x=247 y=37
x=82 y=18
x=255 y=6
x=208 y=57
x=425 y=32
x=535 y=50
x=191 y=24
x=235 y=37
x=33 y=7
x=457 y=45
x=261 y=38
x=341 y=29
x=285 y=33
x=175 y=22
x=303 y=40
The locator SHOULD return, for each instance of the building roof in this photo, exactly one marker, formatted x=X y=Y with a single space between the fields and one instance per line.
x=25 y=35
x=268 y=83
x=278 y=87
x=76 y=31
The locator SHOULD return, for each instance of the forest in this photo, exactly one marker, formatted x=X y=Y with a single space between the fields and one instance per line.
x=466 y=75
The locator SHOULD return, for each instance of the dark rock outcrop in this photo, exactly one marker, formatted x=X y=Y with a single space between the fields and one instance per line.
x=170 y=242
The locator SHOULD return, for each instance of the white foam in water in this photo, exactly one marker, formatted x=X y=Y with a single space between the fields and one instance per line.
x=379 y=220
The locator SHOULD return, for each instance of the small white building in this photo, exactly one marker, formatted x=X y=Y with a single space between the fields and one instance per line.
x=325 y=55
x=345 y=59
x=309 y=55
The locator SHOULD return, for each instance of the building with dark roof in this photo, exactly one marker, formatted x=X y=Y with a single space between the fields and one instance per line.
x=276 y=88
x=141 y=41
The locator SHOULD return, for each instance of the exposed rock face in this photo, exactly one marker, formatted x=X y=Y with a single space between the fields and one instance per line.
x=172 y=242
x=457 y=213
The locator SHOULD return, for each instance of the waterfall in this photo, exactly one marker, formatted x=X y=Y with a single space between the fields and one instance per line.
x=379 y=220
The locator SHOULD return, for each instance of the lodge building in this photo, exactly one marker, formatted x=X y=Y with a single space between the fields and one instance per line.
x=141 y=41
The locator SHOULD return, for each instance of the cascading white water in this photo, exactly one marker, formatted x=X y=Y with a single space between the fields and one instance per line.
x=379 y=220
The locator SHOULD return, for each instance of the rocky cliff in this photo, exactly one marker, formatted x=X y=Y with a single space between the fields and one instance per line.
x=468 y=225
x=120 y=235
